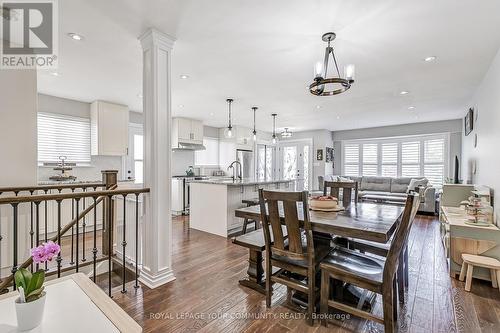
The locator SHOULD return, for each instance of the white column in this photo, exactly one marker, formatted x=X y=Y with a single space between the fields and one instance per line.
x=157 y=226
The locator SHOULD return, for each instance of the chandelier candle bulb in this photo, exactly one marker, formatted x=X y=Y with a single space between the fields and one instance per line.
x=349 y=72
x=318 y=70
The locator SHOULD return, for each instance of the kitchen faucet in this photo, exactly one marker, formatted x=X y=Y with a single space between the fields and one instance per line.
x=231 y=166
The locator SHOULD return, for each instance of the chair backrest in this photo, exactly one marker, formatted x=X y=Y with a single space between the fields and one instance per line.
x=283 y=209
x=347 y=189
x=400 y=237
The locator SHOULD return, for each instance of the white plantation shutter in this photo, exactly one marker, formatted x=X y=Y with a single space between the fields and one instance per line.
x=416 y=156
x=351 y=159
x=62 y=135
x=370 y=159
x=434 y=158
x=389 y=160
x=410 y=159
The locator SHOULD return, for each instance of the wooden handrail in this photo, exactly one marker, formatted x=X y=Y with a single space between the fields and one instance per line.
x=49 y=187
x=63 y=196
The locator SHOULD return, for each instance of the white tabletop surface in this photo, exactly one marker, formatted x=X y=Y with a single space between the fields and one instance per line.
x=67 y=309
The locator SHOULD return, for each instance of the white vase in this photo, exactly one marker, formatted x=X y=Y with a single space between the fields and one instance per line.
x=29 y=315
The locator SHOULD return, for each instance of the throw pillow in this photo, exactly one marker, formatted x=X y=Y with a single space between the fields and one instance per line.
x=416 y=182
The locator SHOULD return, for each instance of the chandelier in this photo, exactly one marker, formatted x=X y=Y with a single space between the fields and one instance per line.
x=329 y=86
x=229 y=131
x=286 y=133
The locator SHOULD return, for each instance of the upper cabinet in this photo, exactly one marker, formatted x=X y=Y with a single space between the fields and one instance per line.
x=241 y=136
x=109 y=128
x=186 y=130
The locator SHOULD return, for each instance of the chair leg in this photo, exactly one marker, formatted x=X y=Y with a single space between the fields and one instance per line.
x=461 y=277
x=395 y=301
x=400 y=276
x=498 y=277
x=324 y=297
x=269 y=290
x=468 y=280
x=245 y=223
x=311 y=299
x=406 y=269
x=494 y=283
x=387 y=300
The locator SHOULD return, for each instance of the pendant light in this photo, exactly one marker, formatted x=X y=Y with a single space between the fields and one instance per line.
x=321 y=80
x=286 y=133
x=274 y=127
x=229 y=132
x=254 y=131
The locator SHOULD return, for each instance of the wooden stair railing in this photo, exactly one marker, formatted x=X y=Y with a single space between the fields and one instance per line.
x=99 y=196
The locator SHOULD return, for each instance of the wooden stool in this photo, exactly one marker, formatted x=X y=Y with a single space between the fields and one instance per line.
x=471 y=260
x=250 y=202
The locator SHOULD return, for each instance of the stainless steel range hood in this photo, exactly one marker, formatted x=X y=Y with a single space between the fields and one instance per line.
x=189 y=146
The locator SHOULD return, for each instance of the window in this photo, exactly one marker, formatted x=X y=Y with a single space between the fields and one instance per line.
x=351 y=159
x=62 y=135
x=139 y=158
x=417 y=156
x=209 y=156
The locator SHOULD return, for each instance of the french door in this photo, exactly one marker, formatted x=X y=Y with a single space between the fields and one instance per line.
x=296 y=163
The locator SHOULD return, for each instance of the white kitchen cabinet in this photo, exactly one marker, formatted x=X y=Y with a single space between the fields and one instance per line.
x=177 y=195
x=186 y=130
x=109 y=129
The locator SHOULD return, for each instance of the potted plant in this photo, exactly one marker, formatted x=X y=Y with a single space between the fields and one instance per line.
x=31 y=301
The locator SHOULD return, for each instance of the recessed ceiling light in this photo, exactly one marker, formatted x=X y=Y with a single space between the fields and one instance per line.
x=75 y=36
x=139 y=95
x=184 y=76
x=318 y=106
x=411 y=108
x=181 y=105
x=211 y=113
x=430 y=59
x=54 y=74
x=338 y=117
x=404 y=92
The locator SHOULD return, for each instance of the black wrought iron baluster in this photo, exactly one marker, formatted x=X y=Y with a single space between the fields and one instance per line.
x=83 y=228
x=136 y=241
x=124 y=242
x=110 y=245
x=37 y=226
x=45 y=224
x=94 y=250
x=72 y=227
x=32 y=233
x=15 y=231
x=59 y=256
x=77 y=213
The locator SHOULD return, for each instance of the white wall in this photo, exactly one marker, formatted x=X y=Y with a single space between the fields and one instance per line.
x=454 y=127
x=18 y=127
x=487 y=127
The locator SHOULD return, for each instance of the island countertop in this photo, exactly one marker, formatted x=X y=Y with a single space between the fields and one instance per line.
x=241 y=182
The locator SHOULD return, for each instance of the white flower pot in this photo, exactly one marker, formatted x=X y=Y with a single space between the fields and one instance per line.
x=29 y=315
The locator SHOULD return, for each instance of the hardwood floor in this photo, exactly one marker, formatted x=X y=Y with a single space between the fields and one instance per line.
x=206 y=296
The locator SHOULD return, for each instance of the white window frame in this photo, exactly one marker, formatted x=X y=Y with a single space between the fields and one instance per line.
x=399 y=140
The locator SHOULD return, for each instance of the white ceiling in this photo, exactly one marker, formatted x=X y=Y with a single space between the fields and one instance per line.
x=262 y=53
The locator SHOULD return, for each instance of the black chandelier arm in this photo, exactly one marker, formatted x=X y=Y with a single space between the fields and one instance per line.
x=335 y=61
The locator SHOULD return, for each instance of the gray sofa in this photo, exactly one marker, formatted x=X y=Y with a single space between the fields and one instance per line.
x=388 y=189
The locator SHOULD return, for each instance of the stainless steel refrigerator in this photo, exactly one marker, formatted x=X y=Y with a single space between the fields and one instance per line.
x=245 y=157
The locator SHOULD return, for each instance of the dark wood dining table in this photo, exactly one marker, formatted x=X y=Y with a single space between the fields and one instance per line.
x=364 y=220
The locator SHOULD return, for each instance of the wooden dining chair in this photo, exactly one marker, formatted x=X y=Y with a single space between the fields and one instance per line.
x=295 y=254
x=347 y=189
x=369 y=273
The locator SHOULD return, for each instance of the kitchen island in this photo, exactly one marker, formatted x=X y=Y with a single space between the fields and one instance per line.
x=213 y=202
